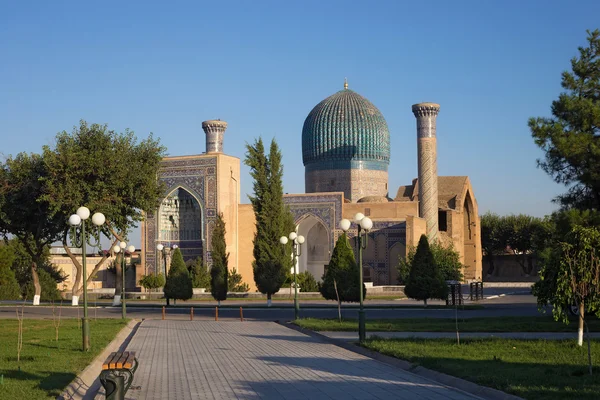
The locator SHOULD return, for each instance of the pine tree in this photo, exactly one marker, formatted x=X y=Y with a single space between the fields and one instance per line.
x=273 y=218
x=179 y=283
x=219 y=272
x=570 y=137
x=425 y=280
x=344 y=270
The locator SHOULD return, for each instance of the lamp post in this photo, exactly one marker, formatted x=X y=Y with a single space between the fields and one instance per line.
x=364 y=225
x=117 y=249
x=79 y=239
x=297 y=241
x=159 y=248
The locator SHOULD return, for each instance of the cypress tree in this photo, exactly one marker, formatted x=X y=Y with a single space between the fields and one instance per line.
x=273 y=218
x=179 y=283
x=219 y=272
x=425 y=280
x=9 y=287
x=345 y=271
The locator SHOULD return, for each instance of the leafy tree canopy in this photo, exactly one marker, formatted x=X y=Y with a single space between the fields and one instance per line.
x=571 y=137
x=446 y=258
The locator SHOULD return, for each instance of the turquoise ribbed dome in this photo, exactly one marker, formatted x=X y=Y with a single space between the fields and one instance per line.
x=346 y=130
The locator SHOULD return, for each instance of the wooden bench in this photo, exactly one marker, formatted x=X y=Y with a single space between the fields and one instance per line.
x=117 y=373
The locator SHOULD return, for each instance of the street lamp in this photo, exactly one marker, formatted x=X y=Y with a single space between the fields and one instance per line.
x=79 y=238
x=364 y=225
x=118 y=248
x=297 y=241
x=160 y=248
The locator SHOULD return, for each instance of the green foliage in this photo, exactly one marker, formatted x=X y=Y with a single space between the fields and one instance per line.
x=9 y=287
x=425 y=280
x=570 y=137
x=273 y=219
x=200 y=274
x=178 y=284
x=49 y=289
x=235 y=282
x=307 y=282
x=26 y=212
x=570 y=273
x=446 y=258
x=219 y=272
x=152 y=281
x=344 y=270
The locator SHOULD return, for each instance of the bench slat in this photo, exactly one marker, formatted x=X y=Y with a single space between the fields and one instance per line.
x=122 y=359
x=129 y=362
x=106 y=363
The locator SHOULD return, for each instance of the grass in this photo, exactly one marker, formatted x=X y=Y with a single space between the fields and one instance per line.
x=46 y=366
x=485 y=324
x=532 y=369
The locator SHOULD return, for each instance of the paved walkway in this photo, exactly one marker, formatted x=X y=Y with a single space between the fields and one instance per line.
x=353 y=336
x=262 y=360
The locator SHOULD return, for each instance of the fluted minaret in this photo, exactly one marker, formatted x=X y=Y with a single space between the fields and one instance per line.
x=426 y=114
x=214 y=129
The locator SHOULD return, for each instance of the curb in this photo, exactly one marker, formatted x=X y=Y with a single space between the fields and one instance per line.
x=439 y=377
x=87 y=383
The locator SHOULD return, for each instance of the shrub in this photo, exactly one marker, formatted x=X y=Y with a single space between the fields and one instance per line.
x=200 y=274
x=152 y=281
x=235 y=282
x=9 y=287
x=307 y=282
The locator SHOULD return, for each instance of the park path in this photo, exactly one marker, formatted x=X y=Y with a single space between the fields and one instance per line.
x=262 y=360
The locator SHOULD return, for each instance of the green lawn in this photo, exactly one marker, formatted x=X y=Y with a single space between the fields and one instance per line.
x=532 y=369
x=47 y=366
x=500 y=324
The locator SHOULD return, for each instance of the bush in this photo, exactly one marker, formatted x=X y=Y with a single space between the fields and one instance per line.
x=9 y=287
x=425 y=280
x=235 y=282
x=446 y=258
x=48 y=285
x=152 y=281
x=179 y=283
x=307 y=282
x=200 y=274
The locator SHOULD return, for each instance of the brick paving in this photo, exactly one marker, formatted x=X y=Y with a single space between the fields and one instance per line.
x=262 y=360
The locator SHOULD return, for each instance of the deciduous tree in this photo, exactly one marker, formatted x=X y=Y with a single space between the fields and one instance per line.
x=107 y=172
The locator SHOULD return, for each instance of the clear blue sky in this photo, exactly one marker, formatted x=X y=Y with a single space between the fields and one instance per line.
x=164 y=67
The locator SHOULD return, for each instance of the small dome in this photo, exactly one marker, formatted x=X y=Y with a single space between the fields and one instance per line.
x=373 y=199
x=346 y=127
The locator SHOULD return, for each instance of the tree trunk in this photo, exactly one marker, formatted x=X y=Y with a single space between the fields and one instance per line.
x=581 y=320
x=36 y=284
x=119 y=275
x=268 y=299
x=425 y=302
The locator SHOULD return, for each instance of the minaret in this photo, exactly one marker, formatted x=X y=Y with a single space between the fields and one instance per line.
x=214 y=129
x=426 y=114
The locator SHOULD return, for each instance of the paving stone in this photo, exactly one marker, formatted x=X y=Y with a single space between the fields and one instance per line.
x=181 y=360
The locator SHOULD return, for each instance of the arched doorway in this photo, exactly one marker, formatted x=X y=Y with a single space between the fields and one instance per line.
x=180 y=223
x=317 y=249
